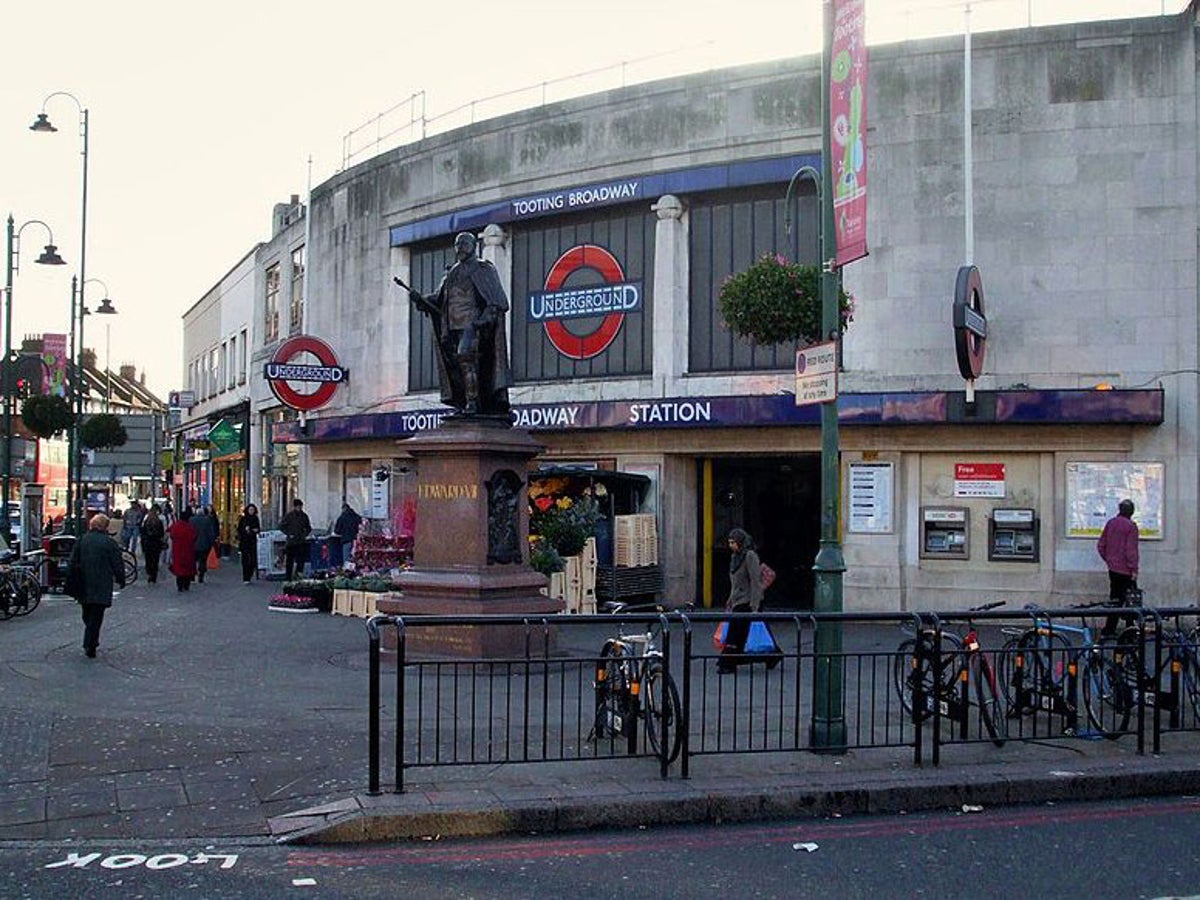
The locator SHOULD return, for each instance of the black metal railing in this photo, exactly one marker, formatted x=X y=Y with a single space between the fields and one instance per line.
x=576 y=688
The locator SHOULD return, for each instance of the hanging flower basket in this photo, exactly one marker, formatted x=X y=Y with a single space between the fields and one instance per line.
x=778 y=302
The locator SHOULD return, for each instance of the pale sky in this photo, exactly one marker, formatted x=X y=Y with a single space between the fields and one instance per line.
x=202 y=117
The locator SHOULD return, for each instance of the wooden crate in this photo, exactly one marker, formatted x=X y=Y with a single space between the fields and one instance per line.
x=635 y=540
x=342 y=602
x=573 y=575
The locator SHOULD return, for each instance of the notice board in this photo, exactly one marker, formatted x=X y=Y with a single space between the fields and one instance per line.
x=1095 y=488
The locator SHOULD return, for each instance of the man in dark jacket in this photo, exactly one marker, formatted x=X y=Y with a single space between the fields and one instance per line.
x=296 y=528
x=99 y=559
x=345 y=529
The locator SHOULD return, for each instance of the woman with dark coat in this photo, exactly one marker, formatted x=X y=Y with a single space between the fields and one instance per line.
x=745 y=595
x=248 y=527
x=99 y=559
x=183 y=550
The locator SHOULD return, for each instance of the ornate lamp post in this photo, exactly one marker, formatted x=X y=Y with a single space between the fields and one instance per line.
x=49 y=257
x=74 y=482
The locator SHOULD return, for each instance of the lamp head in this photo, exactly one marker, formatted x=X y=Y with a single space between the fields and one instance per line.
x=106 y=308
x=42 y=124
x=50 y=257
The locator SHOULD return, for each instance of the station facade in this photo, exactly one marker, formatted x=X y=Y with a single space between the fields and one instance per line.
x=613 y=220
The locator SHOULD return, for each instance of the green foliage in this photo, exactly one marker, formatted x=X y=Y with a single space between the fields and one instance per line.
x=566 y=523
x=375 y=584
x=544 y=558
x=46 y=415
x=102 y=431
x=777 y=302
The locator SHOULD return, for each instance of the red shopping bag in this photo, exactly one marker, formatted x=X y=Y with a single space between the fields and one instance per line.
x=719 y=636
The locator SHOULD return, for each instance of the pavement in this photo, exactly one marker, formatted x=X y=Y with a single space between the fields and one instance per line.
x=207 y=715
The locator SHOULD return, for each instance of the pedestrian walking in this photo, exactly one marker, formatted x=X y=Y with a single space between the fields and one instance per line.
x=97 y=562
x=205 y=525
x=183 y=550
x=745 y=595
x=296 y=527
x=168 y=513
x=1118 y=547
x=131 y=526
x=154 y=534
x=248 y=527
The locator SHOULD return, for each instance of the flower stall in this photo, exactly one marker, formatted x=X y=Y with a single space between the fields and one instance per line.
x=588 y=534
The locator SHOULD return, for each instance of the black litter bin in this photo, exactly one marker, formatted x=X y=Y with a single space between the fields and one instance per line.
x=58 y=558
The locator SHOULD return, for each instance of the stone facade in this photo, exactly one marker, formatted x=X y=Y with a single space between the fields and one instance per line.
x=1085 y=177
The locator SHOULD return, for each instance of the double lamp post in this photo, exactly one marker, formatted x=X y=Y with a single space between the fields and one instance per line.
x=75 y=480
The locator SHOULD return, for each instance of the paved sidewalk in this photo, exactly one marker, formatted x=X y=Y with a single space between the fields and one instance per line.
x=205 y=714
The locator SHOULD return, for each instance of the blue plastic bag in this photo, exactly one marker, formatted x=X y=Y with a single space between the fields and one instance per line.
x=760 y=639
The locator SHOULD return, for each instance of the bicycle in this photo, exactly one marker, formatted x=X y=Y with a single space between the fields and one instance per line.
x=1145 y=677
x=930 y=677
x=20 y=586
x=1044 y=669
x=632 y=683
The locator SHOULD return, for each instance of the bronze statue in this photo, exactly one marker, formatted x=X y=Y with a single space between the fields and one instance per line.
x=467 y=313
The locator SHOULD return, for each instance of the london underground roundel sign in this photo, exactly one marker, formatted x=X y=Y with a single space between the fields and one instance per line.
x=607 y=302
x=282 y=373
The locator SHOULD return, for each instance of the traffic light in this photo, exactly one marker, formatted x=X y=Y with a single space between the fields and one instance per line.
x=23 y=388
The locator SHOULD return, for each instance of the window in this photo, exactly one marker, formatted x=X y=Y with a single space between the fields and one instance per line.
x=222 y=366
x=242 y=356
x=271 y=315
x=232 y=369
x=212 y=372
x=296 y=313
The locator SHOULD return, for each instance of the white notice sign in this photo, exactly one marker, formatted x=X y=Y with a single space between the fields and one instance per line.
x=380 y=495
x=871 y=497
x=816 y=374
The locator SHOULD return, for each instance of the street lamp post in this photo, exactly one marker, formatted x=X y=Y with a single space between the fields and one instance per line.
x=43 y=124
x=49 y=257
x=829 y=722
x=106 y=308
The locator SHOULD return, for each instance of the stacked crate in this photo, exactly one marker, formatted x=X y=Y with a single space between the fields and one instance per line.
x=635 y=540
x=576 y=584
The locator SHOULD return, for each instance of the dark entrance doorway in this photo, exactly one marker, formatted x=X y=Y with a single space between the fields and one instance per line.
x=777 y=500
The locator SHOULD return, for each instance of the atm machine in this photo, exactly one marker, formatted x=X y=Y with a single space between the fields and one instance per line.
x=945 y=532
x=1013 y=536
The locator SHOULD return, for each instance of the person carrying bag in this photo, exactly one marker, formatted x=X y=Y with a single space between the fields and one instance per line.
x=745 y=595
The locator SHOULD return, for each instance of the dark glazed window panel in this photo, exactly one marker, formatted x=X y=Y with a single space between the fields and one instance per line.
x=628 y=233
x=427 y=266
x=727 y=232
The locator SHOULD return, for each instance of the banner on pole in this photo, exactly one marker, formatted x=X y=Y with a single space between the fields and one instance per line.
x=54 y=355
x=848 y=128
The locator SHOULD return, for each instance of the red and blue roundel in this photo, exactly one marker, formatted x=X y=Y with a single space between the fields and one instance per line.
x=608 y=301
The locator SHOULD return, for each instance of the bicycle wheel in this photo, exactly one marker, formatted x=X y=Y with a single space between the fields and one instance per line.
x=1106 y=695
x=661 y=701
x=1190 y=680
x=992 y=706
x=908 y=672
x=612 y=691
x=131 y=567
x=28 y=592
x=8 y=596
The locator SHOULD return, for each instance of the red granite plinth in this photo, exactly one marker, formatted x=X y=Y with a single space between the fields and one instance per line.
x=451 y=574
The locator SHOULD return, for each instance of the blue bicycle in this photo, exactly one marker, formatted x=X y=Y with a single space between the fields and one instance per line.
x=1050 y=665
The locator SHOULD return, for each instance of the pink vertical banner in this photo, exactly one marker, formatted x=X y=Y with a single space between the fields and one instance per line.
x=848 y=128
x=54 y=355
